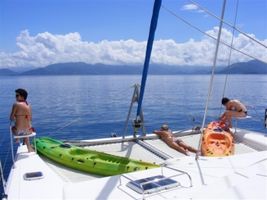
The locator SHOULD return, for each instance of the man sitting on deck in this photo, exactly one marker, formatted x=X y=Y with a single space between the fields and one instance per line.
x=166 y=135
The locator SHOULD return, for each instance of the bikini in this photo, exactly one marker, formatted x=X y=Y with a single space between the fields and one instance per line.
x=246 y=112
x=21 y=132
x=24 y=131
x=175 y=139
x=178 y=141
x=26 y=116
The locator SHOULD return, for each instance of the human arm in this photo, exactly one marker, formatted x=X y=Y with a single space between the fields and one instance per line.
x=222 y=116
x=30 y=112
x=157 y=132
x=13 y=112
x=162 y=134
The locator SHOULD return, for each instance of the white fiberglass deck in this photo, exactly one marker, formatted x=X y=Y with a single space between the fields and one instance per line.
x=236 y=176
x=134 y=151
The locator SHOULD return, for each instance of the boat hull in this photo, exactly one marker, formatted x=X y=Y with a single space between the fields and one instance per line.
x=216 y=141
x=86 y=160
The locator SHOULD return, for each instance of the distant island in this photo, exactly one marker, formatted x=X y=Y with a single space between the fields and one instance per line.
x=7 y=72
x=250 y=67
x=80 y=68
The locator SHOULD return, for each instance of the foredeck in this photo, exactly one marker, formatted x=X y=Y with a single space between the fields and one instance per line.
x=248 y=166
x=214 y=178
x=134 y=150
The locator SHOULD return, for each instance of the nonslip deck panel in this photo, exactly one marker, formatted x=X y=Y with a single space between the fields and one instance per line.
x=130 y=150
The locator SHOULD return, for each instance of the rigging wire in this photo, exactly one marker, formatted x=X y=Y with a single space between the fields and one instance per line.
x=212 y=75
x=230 y=53
x=68 y=124
x=225 y=22
x=6 y=154
x=257 y=114
x=3 y=181
x=198 y=29
x=6 y=157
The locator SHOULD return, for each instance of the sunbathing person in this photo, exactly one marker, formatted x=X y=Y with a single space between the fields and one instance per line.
x=166 y=135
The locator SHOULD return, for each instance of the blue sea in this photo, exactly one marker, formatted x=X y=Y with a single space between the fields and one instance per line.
x=86 y=107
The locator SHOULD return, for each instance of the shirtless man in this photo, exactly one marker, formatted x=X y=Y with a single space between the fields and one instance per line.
x=233 y=108
x=22 y=115
x=166 y=135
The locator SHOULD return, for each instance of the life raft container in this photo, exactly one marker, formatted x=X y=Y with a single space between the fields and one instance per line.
x=216 y=141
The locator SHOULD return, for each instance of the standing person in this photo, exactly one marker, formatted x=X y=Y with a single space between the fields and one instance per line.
x=166 y=135
x=22 y=115
x=233 y=108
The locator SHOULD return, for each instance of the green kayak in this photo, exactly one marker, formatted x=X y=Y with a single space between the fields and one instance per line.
x=86 y=160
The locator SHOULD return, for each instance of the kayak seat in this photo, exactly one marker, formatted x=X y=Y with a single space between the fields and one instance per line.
x=79 y=152
x=65 y=145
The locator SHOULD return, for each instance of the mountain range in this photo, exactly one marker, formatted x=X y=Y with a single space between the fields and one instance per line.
x=80 y=68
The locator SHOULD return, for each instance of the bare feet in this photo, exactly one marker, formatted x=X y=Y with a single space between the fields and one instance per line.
x=31 y=150
x=187 y=153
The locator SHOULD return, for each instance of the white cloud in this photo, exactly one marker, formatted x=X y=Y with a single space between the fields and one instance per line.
x=192 y=7
x=189 y=7
x=46 y=48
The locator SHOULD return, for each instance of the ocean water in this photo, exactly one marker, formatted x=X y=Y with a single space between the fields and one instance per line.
x=86 y=107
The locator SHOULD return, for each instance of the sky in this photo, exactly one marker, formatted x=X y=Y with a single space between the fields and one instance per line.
x=36 y=33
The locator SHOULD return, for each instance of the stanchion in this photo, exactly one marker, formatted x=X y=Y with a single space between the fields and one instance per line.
x=265 y=119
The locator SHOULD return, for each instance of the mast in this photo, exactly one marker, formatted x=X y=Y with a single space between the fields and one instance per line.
x=153 y=26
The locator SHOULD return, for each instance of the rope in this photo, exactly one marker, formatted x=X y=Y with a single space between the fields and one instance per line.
x=69 y=123
x=198 y=29
x=257 y=114
x=230 y=53
x=212 y=75
x=7 y=155
x=225 y=22
x=2 y=178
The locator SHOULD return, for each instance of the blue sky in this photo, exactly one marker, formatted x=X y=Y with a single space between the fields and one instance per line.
x=94 y=21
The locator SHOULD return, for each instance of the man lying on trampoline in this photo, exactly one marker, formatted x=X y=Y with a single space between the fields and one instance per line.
x=166 y=135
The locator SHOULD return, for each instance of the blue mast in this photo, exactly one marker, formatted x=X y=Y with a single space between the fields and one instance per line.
x=153 y=26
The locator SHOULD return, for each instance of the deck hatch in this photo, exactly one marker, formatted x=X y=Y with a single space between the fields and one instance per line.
x=152 y=184
x=33 y=175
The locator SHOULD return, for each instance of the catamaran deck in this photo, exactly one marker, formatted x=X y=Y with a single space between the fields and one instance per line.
x=248 y=166
x=136 y=151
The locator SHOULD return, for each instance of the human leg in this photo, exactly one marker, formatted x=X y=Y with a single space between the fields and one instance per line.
x=15 y=133
x=28 y=144
x=185 y=146
x=26 y=141
x=227 y=120
x=230 y=114
x=175 y=146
